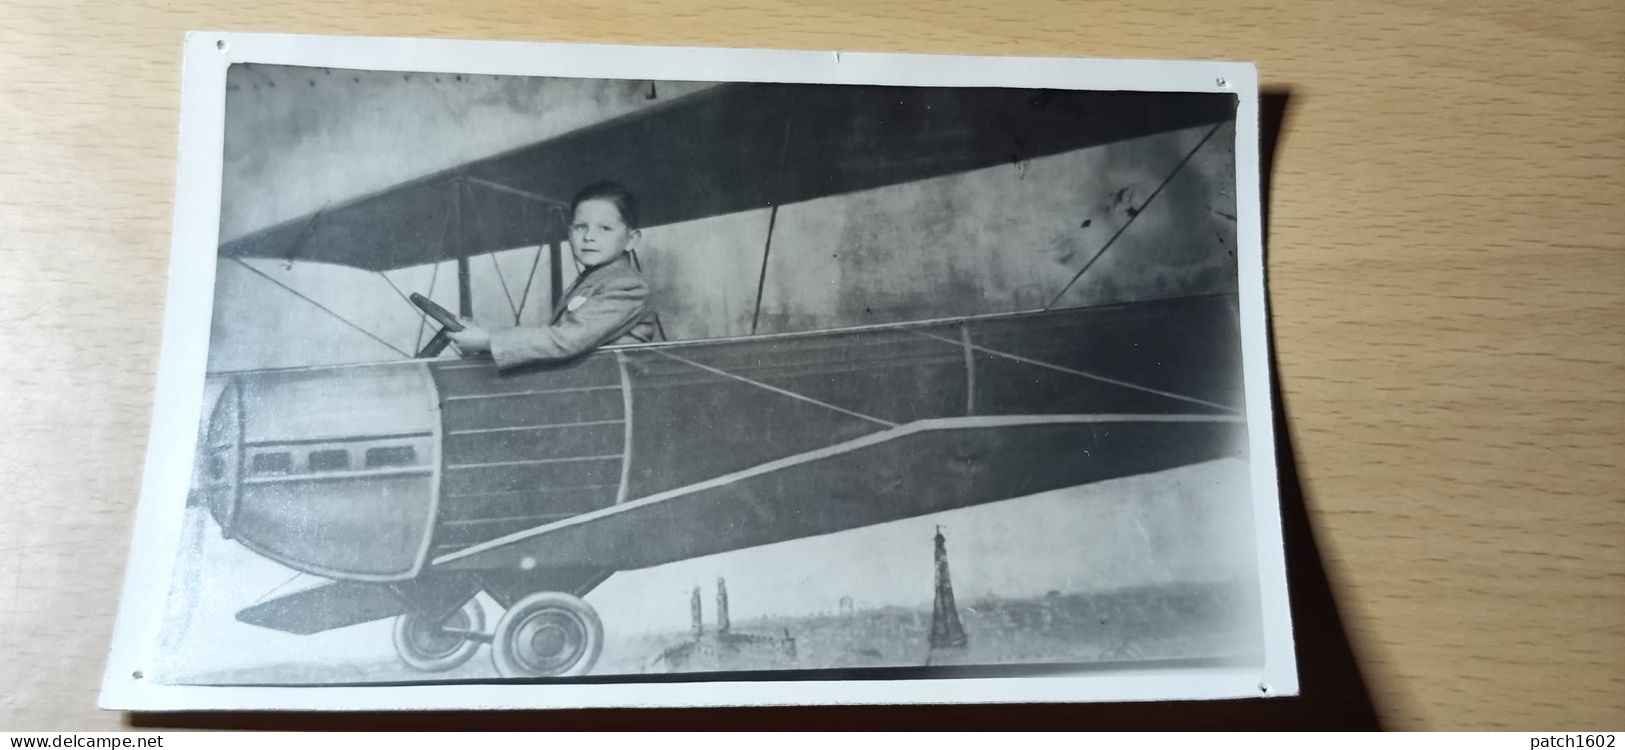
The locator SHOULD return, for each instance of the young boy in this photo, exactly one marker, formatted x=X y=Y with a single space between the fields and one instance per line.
x=607 y=304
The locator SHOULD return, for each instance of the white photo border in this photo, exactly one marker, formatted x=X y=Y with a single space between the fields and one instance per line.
x=194 y=253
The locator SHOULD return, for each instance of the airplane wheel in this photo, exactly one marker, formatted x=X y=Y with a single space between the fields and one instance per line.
x=423 y=645
x=550 y=634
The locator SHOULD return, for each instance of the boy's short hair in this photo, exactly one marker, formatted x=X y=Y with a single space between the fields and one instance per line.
x=613 y=192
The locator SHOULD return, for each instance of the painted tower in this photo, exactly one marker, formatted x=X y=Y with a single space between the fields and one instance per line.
x=946 y=631
x=696 y=613
x=722 y=606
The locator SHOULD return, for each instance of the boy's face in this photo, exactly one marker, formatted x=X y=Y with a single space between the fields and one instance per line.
x=598 y=235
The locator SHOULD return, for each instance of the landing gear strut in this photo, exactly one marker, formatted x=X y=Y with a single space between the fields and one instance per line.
x=431 y=646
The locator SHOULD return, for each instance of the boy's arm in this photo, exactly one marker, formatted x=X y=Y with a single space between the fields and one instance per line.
x=598 y=320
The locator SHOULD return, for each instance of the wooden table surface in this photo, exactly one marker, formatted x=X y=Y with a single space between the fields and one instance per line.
x=1446 y=256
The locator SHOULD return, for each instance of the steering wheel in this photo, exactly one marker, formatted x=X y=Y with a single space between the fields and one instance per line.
x=447 y=321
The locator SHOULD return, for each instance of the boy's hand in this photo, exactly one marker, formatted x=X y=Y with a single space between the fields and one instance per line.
x=471 y=340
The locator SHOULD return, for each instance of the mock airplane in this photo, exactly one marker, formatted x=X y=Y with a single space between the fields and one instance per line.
x=415 y=485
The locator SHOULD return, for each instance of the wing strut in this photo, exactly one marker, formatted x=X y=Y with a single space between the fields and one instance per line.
x=555 y=256
x=761 y=281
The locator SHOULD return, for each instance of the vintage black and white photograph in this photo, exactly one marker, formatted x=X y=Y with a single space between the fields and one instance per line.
x=534 y=378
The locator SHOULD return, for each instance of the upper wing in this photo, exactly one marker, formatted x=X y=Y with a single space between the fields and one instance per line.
x=727 y=149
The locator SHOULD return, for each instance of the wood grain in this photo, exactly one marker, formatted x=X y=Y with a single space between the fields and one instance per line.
x=1446 y=268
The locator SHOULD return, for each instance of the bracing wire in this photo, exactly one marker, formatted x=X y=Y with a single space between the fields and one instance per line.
x=504 y=281
x=322 y=307
x=1135 y=215
x=525 y=295
x=276 y=588
x=397 y=289
x=479 y=230
x=423 y=318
